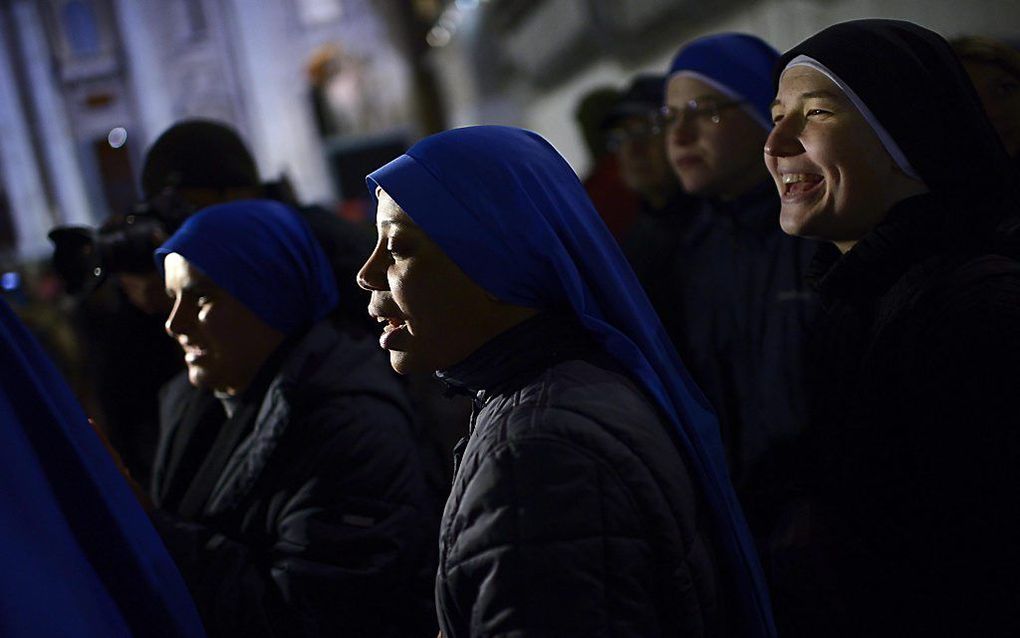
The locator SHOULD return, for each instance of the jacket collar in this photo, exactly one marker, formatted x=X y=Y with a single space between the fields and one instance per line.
x=913 y=231
x=511 y=358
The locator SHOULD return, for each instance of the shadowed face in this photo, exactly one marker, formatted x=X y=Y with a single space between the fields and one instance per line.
x=640 y=145
x=834 y=177
x=224 y=343
x=999 y=91
x=714 y=146
x=433 y=315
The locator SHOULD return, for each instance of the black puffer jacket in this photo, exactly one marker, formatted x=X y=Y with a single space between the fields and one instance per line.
x=572 y=512
x=912 y=461
x=314 y=521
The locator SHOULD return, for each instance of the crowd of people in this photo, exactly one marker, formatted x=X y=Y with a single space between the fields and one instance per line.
x=771 y=391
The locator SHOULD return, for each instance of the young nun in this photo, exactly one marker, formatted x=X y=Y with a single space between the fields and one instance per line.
x=881 y=149
x=591 y=496
x=287 y=482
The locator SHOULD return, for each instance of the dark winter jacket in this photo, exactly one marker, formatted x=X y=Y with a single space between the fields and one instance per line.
x=572 y=512
x=312 y=520
x=912 y=463
x=729 y=287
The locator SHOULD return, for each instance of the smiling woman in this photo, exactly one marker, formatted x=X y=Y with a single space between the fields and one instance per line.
x=832 y=164
x=434 y=315
x=912 y=458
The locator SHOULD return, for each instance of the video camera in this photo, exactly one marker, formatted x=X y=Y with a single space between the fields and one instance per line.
x=84 y=256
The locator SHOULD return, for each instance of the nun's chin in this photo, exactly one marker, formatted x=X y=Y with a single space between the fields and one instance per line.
x=404 y=362
x=796 y=220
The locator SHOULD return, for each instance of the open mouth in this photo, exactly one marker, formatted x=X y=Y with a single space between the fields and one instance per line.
x=193 y=354
x=392 y=332
x=799 y=185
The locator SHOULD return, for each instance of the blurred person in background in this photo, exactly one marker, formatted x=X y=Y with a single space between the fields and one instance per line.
x=591 y=496
x=287 y=484
x=636 y=134
x=616 y=204
x=994 y=67
x=912 y=462
x=731 y=291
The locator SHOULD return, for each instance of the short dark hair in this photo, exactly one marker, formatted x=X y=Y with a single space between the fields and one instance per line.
x=643 y=97
x=198 y=153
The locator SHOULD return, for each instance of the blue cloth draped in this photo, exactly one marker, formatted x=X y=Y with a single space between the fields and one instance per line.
x=511 y=213
x=264 y=254
x=78 y=556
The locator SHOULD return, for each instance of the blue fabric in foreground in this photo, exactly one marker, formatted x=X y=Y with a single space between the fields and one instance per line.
x=78 y=556
x=511 y=213
x=264 y=254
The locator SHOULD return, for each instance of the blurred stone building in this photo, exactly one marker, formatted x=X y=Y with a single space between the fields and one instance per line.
x=326 y=90
x=87 y=85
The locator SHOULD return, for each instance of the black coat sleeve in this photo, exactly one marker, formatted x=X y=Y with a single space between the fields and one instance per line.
x=340 y=545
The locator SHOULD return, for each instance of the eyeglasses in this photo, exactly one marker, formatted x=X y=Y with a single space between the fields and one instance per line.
x=694 y=111
x=634 y=131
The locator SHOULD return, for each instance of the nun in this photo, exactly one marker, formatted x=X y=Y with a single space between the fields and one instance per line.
x=912 y=462
x=78 y=557
x=287 y=482
x=591 y=496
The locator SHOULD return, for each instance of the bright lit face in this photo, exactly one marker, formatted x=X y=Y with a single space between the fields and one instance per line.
x=712 y=158
x=835 y=178
x=224 y=343
x=433 y=315
x=999 y=91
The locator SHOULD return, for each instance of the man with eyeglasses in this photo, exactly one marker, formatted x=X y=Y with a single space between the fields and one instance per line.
x=635 y=134
x=729 y=288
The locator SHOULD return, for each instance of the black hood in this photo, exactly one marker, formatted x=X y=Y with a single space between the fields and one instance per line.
x=916 y=87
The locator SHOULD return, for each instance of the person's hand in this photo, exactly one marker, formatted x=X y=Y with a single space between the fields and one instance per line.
x=139 y=492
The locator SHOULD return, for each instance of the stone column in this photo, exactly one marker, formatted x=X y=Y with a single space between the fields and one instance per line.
x=55 y=133
x=19 y=166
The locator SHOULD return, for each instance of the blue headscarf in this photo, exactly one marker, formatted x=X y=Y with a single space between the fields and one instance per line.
x=264 y=254
x=78 y=556
x=735 y=64
x=510 y=212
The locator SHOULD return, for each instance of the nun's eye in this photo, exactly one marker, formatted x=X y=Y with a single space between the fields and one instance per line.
x=818 y=113
x=777 y=118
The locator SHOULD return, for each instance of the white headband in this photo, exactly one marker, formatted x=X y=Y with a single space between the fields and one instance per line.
x=883 y=136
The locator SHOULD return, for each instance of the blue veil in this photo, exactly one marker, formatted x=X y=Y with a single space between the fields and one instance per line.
x=78 y=556
x=264 y=254
x=511 y=213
